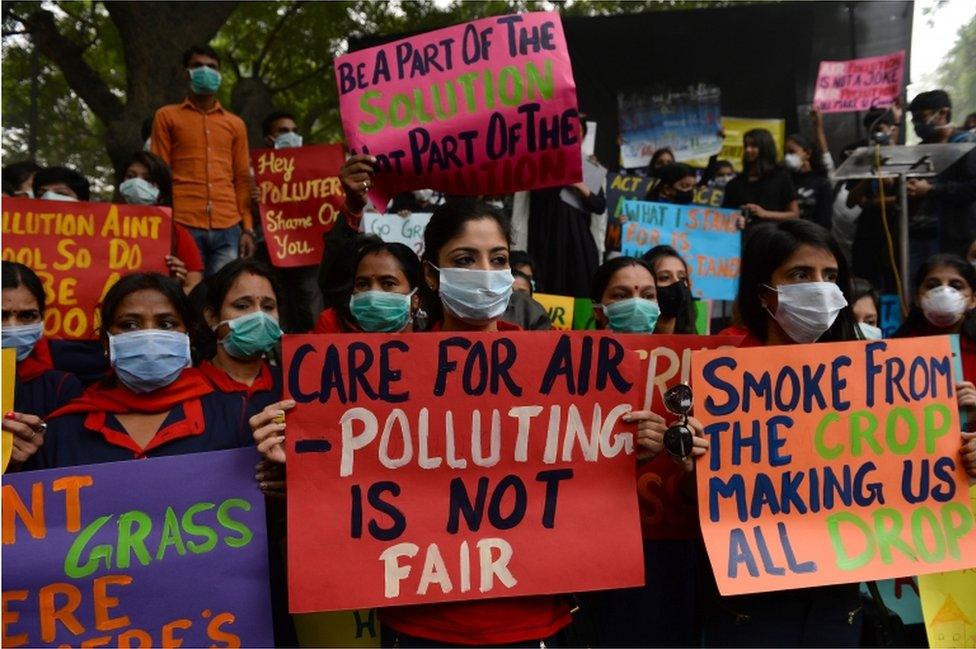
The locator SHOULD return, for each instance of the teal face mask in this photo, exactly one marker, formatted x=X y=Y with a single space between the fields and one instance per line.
x=251 y=335
x=204 y=80
x=380 y=311
x=634 y=315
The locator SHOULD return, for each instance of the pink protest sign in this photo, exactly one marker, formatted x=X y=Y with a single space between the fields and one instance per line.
x=487 y=107
x=860 y=84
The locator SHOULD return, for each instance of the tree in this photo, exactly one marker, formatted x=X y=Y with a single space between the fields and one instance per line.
x=958 y=73
x=122 y=59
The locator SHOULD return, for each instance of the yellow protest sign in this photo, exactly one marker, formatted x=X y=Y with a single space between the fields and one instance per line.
x=559 y=308
x=9 y=378
x=735 y=128
x=358 y=628
x=949 y=604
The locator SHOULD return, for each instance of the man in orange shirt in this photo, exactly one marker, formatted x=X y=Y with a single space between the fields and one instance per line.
x=206 y=147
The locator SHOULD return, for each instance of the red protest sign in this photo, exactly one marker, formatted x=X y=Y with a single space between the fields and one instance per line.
x=300 y=197
x=79 y=250
x=487 y=107
x=831 y=463
x=667 y=506
x=439 y=467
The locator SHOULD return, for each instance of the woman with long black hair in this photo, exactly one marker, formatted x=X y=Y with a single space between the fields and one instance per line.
x=763 y=191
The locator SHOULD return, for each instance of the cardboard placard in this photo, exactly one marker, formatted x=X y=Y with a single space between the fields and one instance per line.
x=301 y=199
x=707 y=238
x=486 y=107
x=859 y=84
x=393 y=228
x=144 y=553
x=442 y=467
x=560 y=309
x=79 y=250
x=831 y=463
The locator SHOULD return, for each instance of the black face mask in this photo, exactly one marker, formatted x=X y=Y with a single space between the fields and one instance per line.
x=682 y=197
x=674 y=299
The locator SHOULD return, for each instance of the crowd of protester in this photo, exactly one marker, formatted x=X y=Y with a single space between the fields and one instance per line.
x=189 y=362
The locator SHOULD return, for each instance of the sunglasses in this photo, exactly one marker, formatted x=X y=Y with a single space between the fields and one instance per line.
x=678 y=437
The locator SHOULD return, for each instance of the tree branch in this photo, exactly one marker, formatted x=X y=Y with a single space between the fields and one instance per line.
x=259 y=61
x=69 y=56
x=299 y=81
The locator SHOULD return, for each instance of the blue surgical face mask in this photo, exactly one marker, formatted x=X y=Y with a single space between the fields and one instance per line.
x=204 y=80
x=870 y=332
x=251 y=335
x=634 y=315
x=475 y=296
x=288 y=140
x=137 y=191
x=149 y=359
x=381 y=310
x=54 y=196
x=22 y=338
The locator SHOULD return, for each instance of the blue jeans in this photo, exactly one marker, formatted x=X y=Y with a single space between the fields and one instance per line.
x=217 y=247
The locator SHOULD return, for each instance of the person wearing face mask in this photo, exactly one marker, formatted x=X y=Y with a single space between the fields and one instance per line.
x=147 y=181
x=625 y=298
x=242 y=312
x=280 y=131
x=61 y=184
x=949 y=199
x=206 y=147
x=18 y=178
x=382 y=297
x=763 y=191
x=40 y=387
x=814 y=192
x=720 y=174
x=945 y=303
x=467 y=282
x=153 y=403
x=673 y=291
x=676 y=184
x=794 y=288
x=866 y=305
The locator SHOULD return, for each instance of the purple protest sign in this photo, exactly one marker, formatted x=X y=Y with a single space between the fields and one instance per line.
x=157 y=552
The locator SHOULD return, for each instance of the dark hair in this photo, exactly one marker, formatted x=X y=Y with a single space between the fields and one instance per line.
x=170 y=289
x=667 y=176
x=932 y=100
x=657 y=155
x=724 y=163
x=861 y=288
x=146 y=129
x=685 y=321
x=16 y=275
x=159 y=174
x=15 y=173
x=766 y=161
x=406 y=258
x=816 y=161
x=205 y=50
x=446 y=222
x=878 y=116
x=522 y=258
x=53 y=175
x=269 y=121
x=218 y=286
x=517 y=274
x=768 y=246
x=606 y=271
x=916 y=322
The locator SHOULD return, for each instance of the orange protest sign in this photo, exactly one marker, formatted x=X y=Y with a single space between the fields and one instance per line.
x=79 y=250
x=831 y=463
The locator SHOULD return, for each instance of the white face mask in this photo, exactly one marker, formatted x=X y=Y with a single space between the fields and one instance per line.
x=137 y=191
x=806 y=311
x=870 y=332
x=475 y=296
x=288 y=140
x=793 y=161
x=943 y=306
x=54 y=196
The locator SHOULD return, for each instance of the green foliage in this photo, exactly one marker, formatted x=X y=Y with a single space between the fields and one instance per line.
x=958 y=72
x=281 y=52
